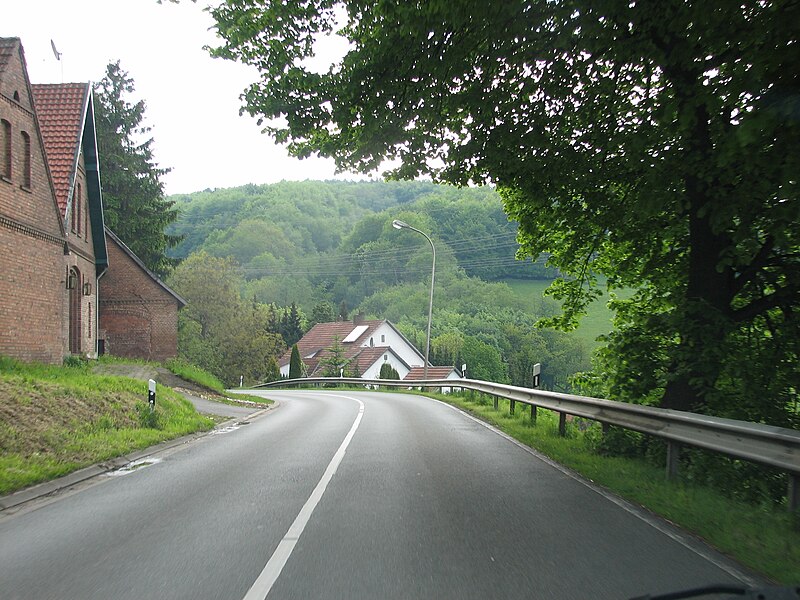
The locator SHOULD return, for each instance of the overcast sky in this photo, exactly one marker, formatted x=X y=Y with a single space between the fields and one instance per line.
x=192 y=100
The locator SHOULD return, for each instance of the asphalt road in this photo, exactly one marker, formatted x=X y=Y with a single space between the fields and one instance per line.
x=347 y=495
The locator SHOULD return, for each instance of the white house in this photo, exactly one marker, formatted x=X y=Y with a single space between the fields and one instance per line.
x=367 y=345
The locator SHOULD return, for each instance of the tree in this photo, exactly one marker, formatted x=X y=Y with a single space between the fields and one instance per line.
x=133 y=194
x=655 y=143
x=217 y=330
x=334 y=361
x=388 y=372
x=323 y=312
x=295 y=364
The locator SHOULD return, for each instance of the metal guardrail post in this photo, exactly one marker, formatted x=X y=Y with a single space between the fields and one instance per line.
x=673 y=459
x=793 y=493
x=496 y=403
x=562 y=424
x=533 y=414
x=512 y=406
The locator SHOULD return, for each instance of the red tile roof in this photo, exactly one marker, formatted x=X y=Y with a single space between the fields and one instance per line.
x=418 y=373
x=320 y=337
x=61 y=108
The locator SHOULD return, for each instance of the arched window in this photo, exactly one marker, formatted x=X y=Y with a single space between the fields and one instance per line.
x=75 y=295
x=27 y=175
x=5 y=148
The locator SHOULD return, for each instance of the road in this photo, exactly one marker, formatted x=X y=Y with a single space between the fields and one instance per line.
x=346 y=495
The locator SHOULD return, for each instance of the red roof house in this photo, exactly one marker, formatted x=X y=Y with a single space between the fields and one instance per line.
x=366 y=345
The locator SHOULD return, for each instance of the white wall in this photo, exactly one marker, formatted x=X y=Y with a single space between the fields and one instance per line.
x=375 y=370
x=401 y=347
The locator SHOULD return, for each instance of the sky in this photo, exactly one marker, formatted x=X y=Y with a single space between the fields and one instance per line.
x=192 y=101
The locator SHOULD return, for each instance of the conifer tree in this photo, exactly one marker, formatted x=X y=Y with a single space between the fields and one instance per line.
x=295 y=364
x=133 y=194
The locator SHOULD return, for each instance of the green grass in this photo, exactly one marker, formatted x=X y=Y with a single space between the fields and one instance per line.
x=597 y=322
x=55 y=420
x=196 y=375
x=764 y=538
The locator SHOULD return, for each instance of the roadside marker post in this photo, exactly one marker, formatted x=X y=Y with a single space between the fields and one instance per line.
x=151 y=393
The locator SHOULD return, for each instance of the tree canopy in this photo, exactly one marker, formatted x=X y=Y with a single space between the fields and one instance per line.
x=654 y=143
x=133 y=194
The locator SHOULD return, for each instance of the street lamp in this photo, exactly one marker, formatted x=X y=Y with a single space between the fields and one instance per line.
x=397 y=224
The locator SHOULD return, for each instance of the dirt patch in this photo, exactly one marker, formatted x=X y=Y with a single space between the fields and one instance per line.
x=145 y=372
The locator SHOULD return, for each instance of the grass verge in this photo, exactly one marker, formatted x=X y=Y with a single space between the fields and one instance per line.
x=55 y=420
x=205 y=379
x=764 y=538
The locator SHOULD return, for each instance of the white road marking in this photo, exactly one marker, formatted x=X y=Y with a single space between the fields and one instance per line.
x=278 y=560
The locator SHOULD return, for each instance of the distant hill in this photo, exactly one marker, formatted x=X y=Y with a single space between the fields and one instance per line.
x=322 y=230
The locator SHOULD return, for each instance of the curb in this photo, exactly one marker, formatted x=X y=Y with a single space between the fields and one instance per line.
x=54 y=486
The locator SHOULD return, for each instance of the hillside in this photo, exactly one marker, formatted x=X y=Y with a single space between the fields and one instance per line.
x=329 y=249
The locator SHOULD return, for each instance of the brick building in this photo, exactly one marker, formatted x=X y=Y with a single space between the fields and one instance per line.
x=138 y=312
x=66 y=119
x=33 y=294
x=53 y=242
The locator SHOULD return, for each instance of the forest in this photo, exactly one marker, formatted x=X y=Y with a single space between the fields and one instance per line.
x=284 y=256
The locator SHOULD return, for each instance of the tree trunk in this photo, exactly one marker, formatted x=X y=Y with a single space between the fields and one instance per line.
x=704 y=314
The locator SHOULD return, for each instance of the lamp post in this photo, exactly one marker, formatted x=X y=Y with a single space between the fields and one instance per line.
x=397 y=224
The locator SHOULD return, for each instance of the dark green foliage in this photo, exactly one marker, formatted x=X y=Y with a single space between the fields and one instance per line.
x=295 y=364
x=272 y=372
x=388 y=372
x=133 y=194
x=323 y=312
x=217 y=330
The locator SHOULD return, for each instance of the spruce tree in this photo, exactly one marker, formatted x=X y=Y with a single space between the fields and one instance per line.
x=133 y=194
x=295 y=364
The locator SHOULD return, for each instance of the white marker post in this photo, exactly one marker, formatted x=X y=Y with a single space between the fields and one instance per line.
x=151 y=393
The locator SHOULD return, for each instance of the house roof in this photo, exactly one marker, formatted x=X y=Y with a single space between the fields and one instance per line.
x=62 y=112
x=66 y=119
x=113 y=237
x=418 y=373
x=320 y=337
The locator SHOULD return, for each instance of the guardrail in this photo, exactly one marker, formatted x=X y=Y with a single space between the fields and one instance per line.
x=772 y=446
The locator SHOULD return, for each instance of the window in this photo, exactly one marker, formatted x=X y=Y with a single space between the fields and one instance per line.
x=371 y=342
x=72 y=211
x=27 y=175
x=385 y=357
x=89 y=322
x=5 y=148
x=383 y=339
x=79 y=202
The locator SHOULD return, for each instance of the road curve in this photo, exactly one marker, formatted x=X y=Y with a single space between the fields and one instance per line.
x=424 y=502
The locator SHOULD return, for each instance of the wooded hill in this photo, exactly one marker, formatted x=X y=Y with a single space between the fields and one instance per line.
x=329 y=248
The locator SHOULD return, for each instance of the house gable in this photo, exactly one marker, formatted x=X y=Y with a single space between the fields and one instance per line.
x=138 y=312
x=68 y=129
x=34 y=298
x=370 y=341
